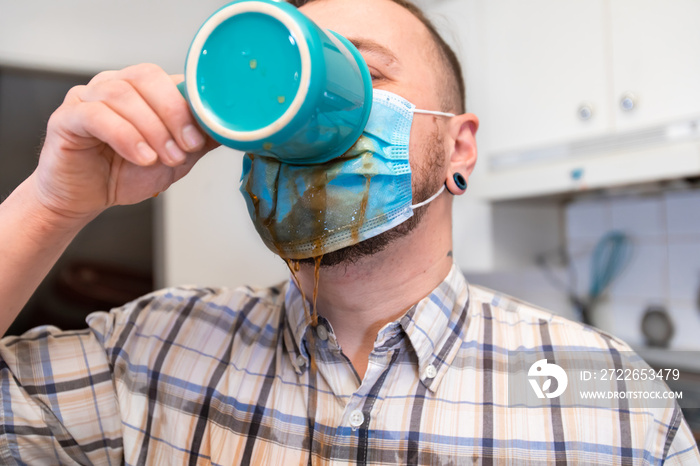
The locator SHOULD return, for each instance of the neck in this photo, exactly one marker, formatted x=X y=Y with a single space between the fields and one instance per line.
x=358 y=299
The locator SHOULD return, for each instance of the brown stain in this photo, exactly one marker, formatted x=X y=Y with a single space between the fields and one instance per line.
x=310 y=210
x=269 y=221
x=294 y=267
x=310 y=315
x=311 y=205
x=368 y=170
x=315 y=200
x=317 y=276
x=360 y=220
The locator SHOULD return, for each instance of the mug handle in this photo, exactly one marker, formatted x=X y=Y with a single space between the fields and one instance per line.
x=181 y=88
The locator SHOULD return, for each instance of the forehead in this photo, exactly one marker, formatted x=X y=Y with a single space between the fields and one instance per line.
x=382 y=20
x=391 y=26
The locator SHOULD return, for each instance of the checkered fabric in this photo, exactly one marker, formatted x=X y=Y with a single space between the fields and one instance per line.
x=201 y=376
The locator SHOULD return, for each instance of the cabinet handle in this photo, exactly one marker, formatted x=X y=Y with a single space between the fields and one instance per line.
x=628 y=102
x=585 y=112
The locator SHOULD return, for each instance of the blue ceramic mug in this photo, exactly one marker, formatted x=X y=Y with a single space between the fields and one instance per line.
x=261 y=77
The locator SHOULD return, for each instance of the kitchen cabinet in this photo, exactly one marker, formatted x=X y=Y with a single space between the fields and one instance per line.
x=548 y=80
x=655 y=56
x=562 y=71
x=544 y=67
x=589 y=94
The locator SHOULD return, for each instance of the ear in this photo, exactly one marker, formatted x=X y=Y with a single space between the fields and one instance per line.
x=462 y=138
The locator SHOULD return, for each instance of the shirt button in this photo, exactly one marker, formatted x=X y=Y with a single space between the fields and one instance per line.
x=322 y=332
x=301 y=362
x=357 y=418
x=430 y=372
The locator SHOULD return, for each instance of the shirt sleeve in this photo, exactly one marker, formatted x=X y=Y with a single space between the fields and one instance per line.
x=58 y=404
x=682 y=448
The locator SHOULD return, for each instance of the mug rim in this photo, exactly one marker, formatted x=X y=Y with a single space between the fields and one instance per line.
x=192 y=63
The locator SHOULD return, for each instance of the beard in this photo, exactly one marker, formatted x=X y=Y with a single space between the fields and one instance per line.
x=428 y=177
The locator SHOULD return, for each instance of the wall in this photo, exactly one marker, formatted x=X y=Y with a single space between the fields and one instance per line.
x=93 y=35
x=121 y=237
x=665 y=265
x=664 y=268
x=209 y=239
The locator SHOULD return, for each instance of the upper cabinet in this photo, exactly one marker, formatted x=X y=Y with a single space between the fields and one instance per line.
x=654 y=61
x=584 y=94
x=572 y=95
x=545 y=69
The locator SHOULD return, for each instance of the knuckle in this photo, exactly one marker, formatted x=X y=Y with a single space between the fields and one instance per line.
x=143 y=70
x=55 y=119
x=115 y=89
x=173 y=111
x=90 y=113
x=73 y=94
x=102 y=76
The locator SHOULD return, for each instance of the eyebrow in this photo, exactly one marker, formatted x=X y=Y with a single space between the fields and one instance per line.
x=370 y=46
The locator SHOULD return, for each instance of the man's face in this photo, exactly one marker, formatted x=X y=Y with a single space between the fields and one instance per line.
x=398 y=49
x=401 y=57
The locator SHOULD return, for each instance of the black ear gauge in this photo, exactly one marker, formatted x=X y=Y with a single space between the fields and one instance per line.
x=460 y=181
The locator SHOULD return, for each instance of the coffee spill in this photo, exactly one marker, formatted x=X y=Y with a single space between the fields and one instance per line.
x=360 y=220
x=294 y=267
x=311 y=210
x=316 y=199
x=281 y=99
x=270 y=219
x=253 y=64
x=317 y=275
x=310 y=315
x=315 y=209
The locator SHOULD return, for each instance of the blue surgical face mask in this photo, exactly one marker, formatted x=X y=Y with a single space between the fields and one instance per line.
x=303 y=211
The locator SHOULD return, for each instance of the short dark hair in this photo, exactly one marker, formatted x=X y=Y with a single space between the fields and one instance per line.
x=455 y=94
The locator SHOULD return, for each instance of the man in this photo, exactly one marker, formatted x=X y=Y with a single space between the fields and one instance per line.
x=404 y=366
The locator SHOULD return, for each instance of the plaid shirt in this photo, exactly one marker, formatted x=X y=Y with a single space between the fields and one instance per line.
x=201 y=376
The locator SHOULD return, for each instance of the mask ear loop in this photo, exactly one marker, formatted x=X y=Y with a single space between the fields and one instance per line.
x=434 y=196
x=431 y=112
x=428 y=201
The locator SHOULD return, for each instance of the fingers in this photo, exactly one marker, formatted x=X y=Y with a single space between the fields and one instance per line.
x=95 y=120
x=148 y=100
x=123 y=101
x=158 y=89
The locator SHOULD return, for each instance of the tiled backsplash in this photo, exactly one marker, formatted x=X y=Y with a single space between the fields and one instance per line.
x=663 y=269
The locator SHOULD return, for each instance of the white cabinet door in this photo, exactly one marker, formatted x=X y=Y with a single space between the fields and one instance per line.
x=544 y=60
x=656 y=57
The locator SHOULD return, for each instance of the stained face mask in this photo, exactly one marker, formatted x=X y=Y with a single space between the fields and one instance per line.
x=303 y=211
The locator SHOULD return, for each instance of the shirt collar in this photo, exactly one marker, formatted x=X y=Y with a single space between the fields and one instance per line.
x=435 y=326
